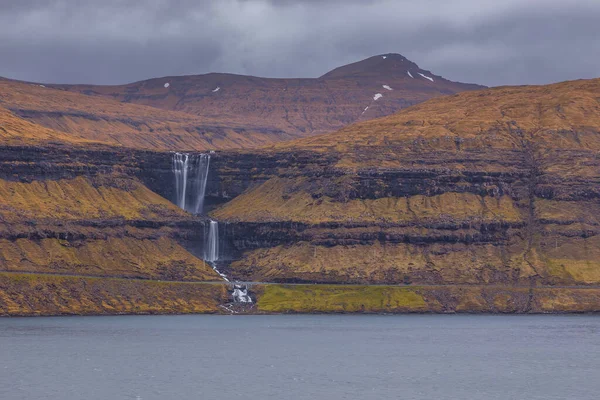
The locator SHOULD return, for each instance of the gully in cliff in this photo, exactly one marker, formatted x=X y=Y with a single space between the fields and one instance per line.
x=191 y=174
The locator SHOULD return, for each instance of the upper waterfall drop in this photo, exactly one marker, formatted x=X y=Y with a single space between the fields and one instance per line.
x=191 y=174
x=180 y=170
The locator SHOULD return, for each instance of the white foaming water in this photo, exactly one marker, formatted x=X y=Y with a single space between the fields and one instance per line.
x=211 y=248
x=240 y=294
x=191 y=174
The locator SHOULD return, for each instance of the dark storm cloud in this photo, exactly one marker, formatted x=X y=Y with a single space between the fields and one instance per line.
x=116 y=41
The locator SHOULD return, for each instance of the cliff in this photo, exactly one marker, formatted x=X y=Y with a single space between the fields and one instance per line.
x=484 y=201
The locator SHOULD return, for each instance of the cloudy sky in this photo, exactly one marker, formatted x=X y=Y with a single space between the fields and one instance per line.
x=491 y=42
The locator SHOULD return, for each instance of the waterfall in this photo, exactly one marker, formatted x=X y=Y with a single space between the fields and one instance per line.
x=211 y=247
x=199 y=184
x=180 y=169
x=240 y=294
x=191 y=174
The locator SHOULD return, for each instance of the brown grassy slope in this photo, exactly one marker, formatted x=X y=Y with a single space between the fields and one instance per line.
x=15 y=131
x=80 y=118
x=81 y=226
x=275 y=200
x=562 y=115
x=298 y=107
x=114 y=256
x=101 y=197
x=562 y=260
x=390 y=299
x=56 y=295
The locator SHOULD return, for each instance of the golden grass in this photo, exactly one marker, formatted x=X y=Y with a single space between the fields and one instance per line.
x=71 y=117
x=561 y=115
x=17 y=131
x=278 y=199
x=161 y=258
x=331 y=298
x=55 y=295
x=436 y=299
x=81 y=198
x=456 y=263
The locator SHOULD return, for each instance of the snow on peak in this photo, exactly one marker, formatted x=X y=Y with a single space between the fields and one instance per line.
x=409 y=74
x=387 y=87
x=167 y=84
x=425 y=76
x=384 y=57
x=217 y=89
x=377 y=96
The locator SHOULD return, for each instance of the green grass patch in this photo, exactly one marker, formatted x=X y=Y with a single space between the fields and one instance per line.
x=340 y=298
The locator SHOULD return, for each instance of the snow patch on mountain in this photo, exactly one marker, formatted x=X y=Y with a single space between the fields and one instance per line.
x=387 y=87
x=217 y=89
x=167 y=85
x=409 y=74
x=377 y=96
x=384 y=57
x=425 y=76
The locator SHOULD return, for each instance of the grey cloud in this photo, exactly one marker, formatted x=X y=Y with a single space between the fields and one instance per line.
x=118 y=41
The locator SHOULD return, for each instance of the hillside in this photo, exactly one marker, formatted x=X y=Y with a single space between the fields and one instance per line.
x=45 y=113
x=377 y=86
x=499 y=186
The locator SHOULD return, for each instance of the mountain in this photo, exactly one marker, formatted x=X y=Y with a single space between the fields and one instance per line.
x=481 y=201
x=377 y=86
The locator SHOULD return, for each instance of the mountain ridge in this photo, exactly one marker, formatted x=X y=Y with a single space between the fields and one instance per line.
x=297 y=107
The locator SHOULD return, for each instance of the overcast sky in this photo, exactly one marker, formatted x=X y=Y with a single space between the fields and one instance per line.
x=491 y=42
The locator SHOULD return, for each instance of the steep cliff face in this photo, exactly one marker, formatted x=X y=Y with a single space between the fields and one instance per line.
x=500 y=186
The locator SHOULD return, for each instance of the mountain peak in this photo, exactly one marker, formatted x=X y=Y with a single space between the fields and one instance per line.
x=390 y=64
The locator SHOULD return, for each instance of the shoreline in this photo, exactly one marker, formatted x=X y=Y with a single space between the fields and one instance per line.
x=26 y=294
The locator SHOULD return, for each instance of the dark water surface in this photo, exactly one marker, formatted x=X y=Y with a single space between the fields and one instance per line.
x=301 y=357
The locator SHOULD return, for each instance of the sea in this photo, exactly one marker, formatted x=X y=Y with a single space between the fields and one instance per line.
x=430 y=357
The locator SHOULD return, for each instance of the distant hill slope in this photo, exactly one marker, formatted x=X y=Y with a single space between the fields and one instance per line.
x=375 y=87
x=74 y=117
x=562 y=115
